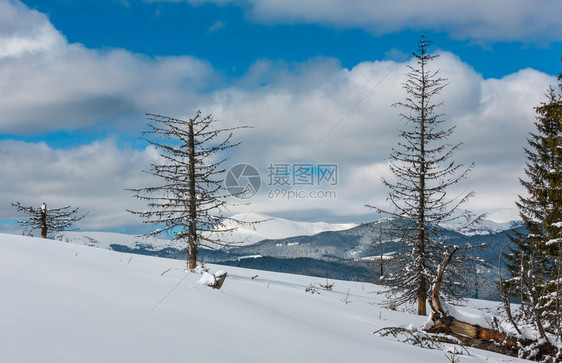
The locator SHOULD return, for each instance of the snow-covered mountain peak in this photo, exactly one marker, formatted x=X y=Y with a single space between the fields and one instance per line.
x=486 y=227
x=269 y=227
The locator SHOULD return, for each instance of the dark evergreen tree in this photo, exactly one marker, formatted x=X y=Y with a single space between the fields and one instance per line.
x=535 y=261
x=424 y=173
x=47 y=220
x=190 y=202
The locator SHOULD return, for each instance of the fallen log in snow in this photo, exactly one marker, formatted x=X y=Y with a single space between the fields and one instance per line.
x=475 y=335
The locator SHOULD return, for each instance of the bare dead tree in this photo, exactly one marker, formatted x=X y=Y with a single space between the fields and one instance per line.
x=190 y=202
x=420 y=198
x=48 y=220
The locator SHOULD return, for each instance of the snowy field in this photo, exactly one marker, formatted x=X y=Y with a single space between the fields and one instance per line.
x=62 y=302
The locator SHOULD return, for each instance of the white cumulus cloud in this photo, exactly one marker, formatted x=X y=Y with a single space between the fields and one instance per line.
x=92 y=177
x=500 y=20
x=49 y=84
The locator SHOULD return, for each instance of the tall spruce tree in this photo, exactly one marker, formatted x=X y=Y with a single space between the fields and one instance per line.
x=424 y=173
x=190 y=201
x=535 y=261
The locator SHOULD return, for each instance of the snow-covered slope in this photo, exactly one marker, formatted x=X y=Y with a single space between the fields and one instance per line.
x=70 y=303
x=277 y=228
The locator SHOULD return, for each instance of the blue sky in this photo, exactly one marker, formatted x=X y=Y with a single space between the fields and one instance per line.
x=78 y=77
x=231 y=40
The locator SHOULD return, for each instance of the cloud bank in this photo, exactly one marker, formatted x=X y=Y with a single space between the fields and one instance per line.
x=92 y=177
x=48 y=84
x=501 y=20
x=315 y=111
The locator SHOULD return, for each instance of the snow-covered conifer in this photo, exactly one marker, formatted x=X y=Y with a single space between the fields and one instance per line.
x=419 y=195
x=535 y=260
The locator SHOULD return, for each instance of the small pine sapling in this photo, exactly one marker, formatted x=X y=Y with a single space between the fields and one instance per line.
x=328 y=286
x=346 y=300
x=312 y=289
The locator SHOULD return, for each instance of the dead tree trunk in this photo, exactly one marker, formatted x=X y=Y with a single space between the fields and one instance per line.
x=435 y=303
x=505 y=297
x=43 y=221
x=469 y=334
x=192 y=233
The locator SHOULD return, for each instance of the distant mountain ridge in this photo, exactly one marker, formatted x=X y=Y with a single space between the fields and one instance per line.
x=349 y=254
x=486 y=227
x=282 y=238
x=354 y=254
x=364 y=241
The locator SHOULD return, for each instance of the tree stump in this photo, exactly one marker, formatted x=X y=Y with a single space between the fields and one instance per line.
x=220 y=276
x=215 y=281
